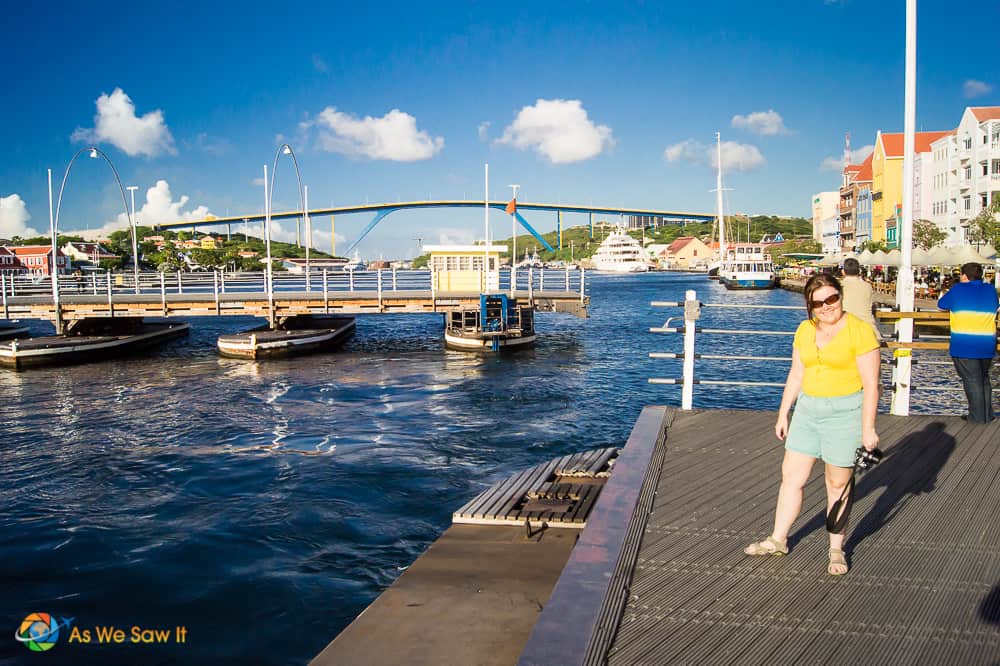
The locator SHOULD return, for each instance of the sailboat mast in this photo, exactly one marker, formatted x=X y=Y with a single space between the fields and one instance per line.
x=718 y=197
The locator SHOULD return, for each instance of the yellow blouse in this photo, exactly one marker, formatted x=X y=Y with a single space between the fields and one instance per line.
x=833 y=370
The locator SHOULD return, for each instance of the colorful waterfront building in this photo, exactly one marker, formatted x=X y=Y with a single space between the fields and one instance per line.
x=965 y=176
x=846 y=209
x=863 y=203
x=887 y=181
x=826 y=219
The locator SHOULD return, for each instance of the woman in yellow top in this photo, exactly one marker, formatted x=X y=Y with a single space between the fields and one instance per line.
x=833 y=382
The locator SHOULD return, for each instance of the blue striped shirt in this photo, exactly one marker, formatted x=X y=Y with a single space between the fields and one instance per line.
x=973 y=306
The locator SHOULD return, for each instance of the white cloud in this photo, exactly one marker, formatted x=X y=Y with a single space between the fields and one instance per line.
x=14 y=216
x=159 y=207
x=393 y=137
x=973 y=88
x=457 y=237
x=858 y=156
x=258 y=181
x=558 y=130
x=319 y=64
x=484 y=128
x=117 y=124
x=766 y=123
x=735 y=156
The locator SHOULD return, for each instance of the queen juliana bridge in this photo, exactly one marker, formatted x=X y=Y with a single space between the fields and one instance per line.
x=146 y=294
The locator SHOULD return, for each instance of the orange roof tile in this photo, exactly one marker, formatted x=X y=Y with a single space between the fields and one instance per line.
x=892 y=143
x=679 y=244
x=30 y=250
x=985 y=112
x=865 y=174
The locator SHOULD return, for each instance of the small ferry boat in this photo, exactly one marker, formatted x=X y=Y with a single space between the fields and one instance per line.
x=620 y=253
x=301 y=334
x=747 y=266
x=90 y=340
x=12 y=329
x=499 y=323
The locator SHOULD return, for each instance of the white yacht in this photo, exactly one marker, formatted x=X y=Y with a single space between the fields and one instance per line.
x=747 y=266
x=620 y=253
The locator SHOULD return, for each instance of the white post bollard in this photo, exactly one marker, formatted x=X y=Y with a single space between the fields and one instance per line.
x=180 y=289
x=326 y=294
x=163 y=294
x=583 y=285
x=692 y=311
x=531 y=285
x=379 y=282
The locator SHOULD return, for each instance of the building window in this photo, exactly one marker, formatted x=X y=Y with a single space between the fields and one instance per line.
x=986 y=171
x=968 y=172
x=968 y=204
x=983 y=203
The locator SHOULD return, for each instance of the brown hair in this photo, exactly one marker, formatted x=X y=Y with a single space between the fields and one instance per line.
x=973 y=270
x=817 y=282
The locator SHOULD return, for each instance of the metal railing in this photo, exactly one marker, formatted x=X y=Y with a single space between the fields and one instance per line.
x=692 y=313
x=122 y=287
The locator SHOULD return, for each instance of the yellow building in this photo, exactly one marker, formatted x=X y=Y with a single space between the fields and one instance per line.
x=887 y=181
x=460 y=267
x=210 y=243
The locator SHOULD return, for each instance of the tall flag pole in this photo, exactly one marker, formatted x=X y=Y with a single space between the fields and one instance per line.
x=904 y=279
x=511 y=210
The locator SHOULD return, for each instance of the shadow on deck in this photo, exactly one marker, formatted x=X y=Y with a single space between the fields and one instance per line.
x=924 y=548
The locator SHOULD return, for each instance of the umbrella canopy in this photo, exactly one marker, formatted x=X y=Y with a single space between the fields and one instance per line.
x=878 y=259
x=940 y=256
x=894 y=258
x=830 y=260
x=865 y=258
x=966 y=254
x=920 y=257
x=988 y=251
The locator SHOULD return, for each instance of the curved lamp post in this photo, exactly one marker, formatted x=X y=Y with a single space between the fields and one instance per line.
x=94 y=153
x=283 y=149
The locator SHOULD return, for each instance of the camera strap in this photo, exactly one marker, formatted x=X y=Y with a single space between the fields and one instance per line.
x=840 y=512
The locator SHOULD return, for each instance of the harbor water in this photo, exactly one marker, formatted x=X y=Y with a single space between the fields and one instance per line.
x=262 y=506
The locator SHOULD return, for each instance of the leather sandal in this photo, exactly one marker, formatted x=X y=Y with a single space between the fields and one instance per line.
x=838 y=560
x=769 y=546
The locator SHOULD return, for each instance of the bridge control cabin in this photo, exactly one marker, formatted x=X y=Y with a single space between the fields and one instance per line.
x=459 y=268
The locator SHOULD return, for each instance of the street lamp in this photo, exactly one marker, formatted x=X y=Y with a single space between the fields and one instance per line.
x=135 y=243
x=93 y=153
x=283 y=149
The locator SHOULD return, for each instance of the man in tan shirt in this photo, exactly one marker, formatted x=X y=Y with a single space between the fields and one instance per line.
x=858 y=294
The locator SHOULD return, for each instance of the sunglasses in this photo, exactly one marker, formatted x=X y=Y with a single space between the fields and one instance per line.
x=829 y=300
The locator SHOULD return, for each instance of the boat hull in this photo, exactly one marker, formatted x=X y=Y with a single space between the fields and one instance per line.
x=82 y=347
x=298 y=336
x=484 y=343
x=621 y=268
x=747 y=283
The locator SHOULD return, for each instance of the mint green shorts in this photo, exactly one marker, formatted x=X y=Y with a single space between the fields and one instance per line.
x=826 y=428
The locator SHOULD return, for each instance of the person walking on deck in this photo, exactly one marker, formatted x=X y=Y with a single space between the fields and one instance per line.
x=973 y=306
x=858 y=299
x=833 y=383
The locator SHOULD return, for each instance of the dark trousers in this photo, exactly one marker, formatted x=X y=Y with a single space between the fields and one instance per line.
x=975 y=375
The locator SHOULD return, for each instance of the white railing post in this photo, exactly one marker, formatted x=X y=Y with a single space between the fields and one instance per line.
x=222 y=278
x=531 y=285
x=180 y=289
x=111 y=306
x=513 y=279
x=394 y=279
x=567 y=278
x=692 y=310
x=379 y=281
x=326 y=293
x=163 y=294
x=541 y=279
x=93 y=281
x=433 y=292
x=3 y=288
x=350 y=280
x=583 y=285
x=215 y=288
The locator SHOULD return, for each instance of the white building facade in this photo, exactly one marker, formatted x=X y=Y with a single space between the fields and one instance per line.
x=824 y=206
x=965 y=177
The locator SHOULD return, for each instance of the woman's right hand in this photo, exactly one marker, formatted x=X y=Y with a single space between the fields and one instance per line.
x=781 y=426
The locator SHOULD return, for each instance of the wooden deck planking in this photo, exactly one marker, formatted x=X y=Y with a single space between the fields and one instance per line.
x=923 y=556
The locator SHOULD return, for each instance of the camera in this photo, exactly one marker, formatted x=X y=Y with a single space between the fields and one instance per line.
x=864 y=459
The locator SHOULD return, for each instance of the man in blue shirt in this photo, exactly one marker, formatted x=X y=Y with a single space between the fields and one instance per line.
x=973 y=305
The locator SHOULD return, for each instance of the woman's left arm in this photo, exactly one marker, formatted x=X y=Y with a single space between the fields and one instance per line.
x=868 y=368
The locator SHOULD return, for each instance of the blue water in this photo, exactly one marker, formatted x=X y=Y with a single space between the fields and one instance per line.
x=263 y=505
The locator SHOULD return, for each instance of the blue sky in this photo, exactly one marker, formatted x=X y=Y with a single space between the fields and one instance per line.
x=603 y=103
